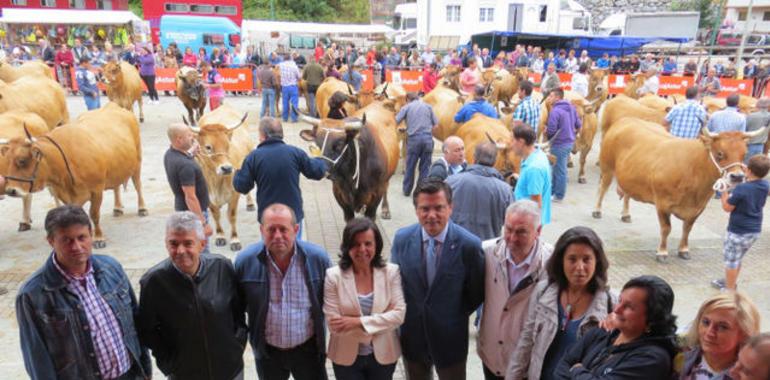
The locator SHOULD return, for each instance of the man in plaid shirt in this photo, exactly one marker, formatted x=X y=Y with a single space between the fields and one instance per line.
x=686 y=120
x=528 y=110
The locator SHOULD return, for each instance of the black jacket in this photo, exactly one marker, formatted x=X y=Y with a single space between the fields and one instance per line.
x=646 y=358
x=194 y=327
x=440 y=169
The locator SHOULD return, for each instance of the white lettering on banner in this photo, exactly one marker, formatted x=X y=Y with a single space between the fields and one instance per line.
x=620 y=81
x=396 y=77
x=164 y=79
x=180 y=38
x=232 y=80
x=241 y=77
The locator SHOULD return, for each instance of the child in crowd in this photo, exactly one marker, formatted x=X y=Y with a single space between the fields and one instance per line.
x=745 y=204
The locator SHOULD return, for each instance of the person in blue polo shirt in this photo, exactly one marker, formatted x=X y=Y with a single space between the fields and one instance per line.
x=86 y=80
x=534 y=181
x=477 y=105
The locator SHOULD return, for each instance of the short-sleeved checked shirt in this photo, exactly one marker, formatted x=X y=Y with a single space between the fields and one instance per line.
x=528 y=111
x=111 y=354
x=290 y=74
x=728 y=119
x=289 y=322
x=686 y=119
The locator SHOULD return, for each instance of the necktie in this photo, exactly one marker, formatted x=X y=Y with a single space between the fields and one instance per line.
x=430 y=260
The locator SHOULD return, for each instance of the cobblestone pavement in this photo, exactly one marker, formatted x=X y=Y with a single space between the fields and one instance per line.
x=138 y=242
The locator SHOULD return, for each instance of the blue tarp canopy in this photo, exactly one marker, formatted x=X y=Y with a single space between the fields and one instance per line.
x=595 y=45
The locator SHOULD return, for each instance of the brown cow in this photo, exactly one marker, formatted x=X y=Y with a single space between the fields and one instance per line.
x=224 y=143
x=450 y=76
x=16 y=124
x=480 y=129
x=636 y=82
x=37 y=68
x=325 y=91
x=124 y=85
x=192 y=93
x=657 y=102
x=598 y=90
x=445 y=101
x=746 y=104
x=100 y=150
x=676 y=175
x=622 y=106
x=502 y=86
x=363 y=151
x=42 y=96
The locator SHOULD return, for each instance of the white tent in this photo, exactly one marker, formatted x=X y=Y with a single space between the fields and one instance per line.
x=66 y=16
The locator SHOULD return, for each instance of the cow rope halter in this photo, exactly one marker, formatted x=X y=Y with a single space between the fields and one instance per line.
x=722 y=184
x=356 y=175
x=38 y=158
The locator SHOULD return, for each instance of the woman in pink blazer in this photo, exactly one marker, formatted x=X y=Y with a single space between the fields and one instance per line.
x=364 y=305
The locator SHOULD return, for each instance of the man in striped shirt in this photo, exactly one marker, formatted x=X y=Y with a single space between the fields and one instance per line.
x=282 y=283
x=528 y=110
x=686 y=120
x=75 y=314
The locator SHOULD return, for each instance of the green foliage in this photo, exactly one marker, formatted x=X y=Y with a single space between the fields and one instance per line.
x=707 y=9
x=352 y=11
x=136 y=7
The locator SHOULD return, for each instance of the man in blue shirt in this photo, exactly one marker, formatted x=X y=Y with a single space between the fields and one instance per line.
x=603 y=62
x=686 y=120
x=420 y=120
x=479 y=104
x=728 y=119
x=353 y=78
x=534 y=181
x=87 y=84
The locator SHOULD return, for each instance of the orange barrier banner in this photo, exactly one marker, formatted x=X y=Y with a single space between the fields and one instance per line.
x=237 y=79
x=731 y=86
x=164 y=79
x=368 y=83
x=410 y=80
x=671 y=85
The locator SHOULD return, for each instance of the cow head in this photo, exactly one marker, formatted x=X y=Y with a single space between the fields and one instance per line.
x=22 y=166
x=214 y=141
x=335 y=139
x=726 y=151
x=363 y=98
x=111 y=72
x=191 y=82
x=508 y=163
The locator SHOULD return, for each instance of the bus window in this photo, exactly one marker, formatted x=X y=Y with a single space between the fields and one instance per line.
x=213 y=39
x=226 y=10
x=411 y=23
x=176 y=7
x=205 y=9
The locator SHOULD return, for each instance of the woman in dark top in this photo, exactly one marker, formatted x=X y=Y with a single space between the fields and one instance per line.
x=336 y=106
x=641 y=344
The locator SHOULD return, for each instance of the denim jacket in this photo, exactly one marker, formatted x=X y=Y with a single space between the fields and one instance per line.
x=251 y=268
x=55 y=341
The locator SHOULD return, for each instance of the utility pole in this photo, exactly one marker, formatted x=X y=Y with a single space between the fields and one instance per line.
x=272 y=10
x=715 y=27
x=739 y=57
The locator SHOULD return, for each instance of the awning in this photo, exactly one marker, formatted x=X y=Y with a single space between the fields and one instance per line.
x=444 y=42
x=66 y=16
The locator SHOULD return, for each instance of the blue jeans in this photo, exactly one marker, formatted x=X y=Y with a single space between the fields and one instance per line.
x=268 y=100
x=92 y=102
x=417 y=148
x=365 y=367
x=560 y=170
x=754 y=149
x=289 y=94
x=310 y=100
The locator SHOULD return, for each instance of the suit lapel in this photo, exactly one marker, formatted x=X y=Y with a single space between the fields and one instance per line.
x=349 y=287
x=413 y=256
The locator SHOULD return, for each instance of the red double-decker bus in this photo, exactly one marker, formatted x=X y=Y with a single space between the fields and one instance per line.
x=116 y=5
x=154 y=9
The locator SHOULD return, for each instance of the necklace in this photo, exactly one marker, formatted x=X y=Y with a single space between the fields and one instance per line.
x=568 y=310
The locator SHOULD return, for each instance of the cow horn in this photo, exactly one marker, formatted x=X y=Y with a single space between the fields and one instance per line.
x=184 y=119
x=355 y=125
x=236 y=125
x=708 y=133
x=756 y=133
x=385 y=90
x=350 y=89
x=29 y=135
x=674 y=97
x=490 y=138
x=308 y=119
x=4 y=141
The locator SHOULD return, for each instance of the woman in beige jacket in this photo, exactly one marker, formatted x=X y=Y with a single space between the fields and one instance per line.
x=364 y=305
x=562 y=308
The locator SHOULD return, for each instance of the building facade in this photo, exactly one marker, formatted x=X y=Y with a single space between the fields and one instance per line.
x=736 y=15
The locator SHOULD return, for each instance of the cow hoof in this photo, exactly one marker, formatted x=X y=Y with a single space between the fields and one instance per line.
x=385 y=214
x=661 y=258
x=625 y=218
x=597 y=214
x=582 y=180
x=220 y=242
x=24 y=227
x=684 y=255
x=235 y=246
x=570 y=164
x=98 y=244
x=251 y=208
x=143 y=212
x=117 y=212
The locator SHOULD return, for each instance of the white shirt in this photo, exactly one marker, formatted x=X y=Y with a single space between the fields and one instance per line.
x=516 y=272
x=580 y=84
x=650 y=86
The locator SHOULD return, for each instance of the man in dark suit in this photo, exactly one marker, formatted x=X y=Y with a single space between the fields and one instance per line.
x=442 y=270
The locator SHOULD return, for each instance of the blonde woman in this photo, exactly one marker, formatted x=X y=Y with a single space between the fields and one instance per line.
x=724 y=323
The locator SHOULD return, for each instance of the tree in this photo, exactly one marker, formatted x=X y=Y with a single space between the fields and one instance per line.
x=707 y=9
